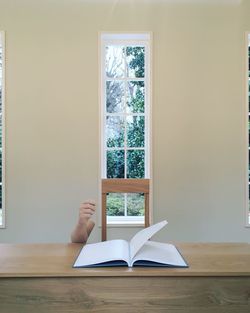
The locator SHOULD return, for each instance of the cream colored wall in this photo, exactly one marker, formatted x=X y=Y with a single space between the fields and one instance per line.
x=52 y=114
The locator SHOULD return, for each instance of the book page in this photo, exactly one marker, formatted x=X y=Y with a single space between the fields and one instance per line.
x=143 y=236
x=161 y=253
x=101 y=252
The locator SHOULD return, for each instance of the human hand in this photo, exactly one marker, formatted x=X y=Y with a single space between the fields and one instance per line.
x=86 y=210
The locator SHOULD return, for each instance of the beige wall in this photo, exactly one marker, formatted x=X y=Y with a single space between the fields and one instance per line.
x=52 y=114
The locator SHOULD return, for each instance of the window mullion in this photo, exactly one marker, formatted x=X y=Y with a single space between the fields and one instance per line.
x=125 y=119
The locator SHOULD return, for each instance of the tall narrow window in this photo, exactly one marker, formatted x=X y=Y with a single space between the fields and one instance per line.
x=2 y=208
x=125 y=101
x=248 y=109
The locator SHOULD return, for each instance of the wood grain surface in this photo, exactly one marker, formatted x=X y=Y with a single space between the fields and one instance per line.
x=39 y=278
x=127 y=294
x=204 y=259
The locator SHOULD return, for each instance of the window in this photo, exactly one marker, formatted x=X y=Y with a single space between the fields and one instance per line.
x=248 y=127
x=2 y=208
x=125 y=119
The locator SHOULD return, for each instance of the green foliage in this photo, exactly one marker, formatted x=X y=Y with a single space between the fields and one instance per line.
x=135 y=204
x=115 y=164
x=135 y=132
x=115 y=142
x=135 y=125
x=137 y=102
x=116 y=203
x=136 y=62
x=1 y=167
x=135 y=164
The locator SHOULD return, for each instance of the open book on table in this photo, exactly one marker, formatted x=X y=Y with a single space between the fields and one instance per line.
x=139 y=251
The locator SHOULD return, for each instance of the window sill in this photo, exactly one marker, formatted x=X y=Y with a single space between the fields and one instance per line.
x=130 y=222
x=125 y=224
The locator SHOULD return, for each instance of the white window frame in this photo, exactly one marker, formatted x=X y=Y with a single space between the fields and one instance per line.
x=2 y=39
x=132 y=38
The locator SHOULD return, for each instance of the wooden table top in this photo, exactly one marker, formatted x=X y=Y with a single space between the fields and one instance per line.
x=56 y=260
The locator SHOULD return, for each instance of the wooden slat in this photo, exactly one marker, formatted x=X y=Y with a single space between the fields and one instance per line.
x=104 y=217
x=125 y=185
x=146 y=201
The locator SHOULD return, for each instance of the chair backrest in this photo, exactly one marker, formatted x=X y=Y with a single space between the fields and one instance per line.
x=123 y=186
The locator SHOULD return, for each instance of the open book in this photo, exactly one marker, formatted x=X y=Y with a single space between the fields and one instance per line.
x=140 y=251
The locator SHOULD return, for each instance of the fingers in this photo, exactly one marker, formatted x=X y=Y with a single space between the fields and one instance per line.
x=86 y=210
x=87 y=213
x=88 y=206
x=90 y=201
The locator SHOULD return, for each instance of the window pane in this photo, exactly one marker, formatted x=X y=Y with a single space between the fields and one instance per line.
x=1 y=165
x=135 y=97
x=115 y=96
x=135 y=131
x=115 y=204
x=1 y=63
x=249 y=169
x=115 y=164
x=1 y=196
x=135 y=204
x=135 y=59
x=1 y=128
x=249 y=92
x=135 y=164
x=115 y=61
x=115 y=131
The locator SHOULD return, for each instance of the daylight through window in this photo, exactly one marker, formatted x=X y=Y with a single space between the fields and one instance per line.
x=125 y=118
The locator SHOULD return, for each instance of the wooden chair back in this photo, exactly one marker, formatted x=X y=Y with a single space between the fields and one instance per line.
x=123 y=186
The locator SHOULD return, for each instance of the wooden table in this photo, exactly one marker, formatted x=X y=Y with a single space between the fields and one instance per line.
x=40 y=278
